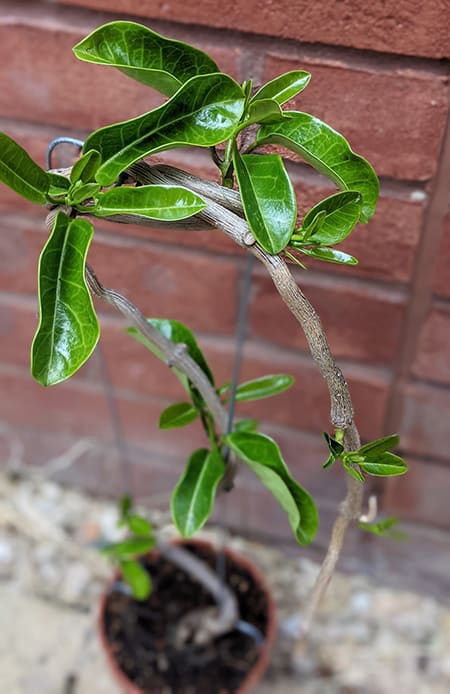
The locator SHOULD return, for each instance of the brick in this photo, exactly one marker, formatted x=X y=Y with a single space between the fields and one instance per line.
x=67 y=408
x=96 y=467
x=18 y=320
x=441 y=283
x=159 y=280
x=80 y=409
x=306 y=405
x=395 y=27
x=77 y=94
x=421 y=495
x=155 y=278
x=424 y=426
x=432 y=360
x=367 y=104
x=386 y=246
x=21 y=242
x=362 y=321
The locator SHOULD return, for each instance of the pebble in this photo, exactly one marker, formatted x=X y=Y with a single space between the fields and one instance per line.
x=367 y=639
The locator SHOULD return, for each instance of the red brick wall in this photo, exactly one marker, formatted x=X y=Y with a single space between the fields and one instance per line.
x=379 y=75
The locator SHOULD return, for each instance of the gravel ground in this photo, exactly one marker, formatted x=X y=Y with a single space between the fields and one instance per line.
x=367 y=639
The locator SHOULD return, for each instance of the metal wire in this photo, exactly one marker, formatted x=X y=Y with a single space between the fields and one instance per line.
x=57 y=141
x=240 y=337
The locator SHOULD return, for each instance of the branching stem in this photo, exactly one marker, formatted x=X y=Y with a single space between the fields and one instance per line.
x=224 y=211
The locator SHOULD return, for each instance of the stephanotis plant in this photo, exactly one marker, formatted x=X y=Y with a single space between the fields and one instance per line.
x=256 y=206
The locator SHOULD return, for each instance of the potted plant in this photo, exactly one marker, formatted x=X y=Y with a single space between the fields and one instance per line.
x=254 y=204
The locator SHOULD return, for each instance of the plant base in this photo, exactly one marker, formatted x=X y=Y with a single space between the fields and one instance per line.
x=138 y=636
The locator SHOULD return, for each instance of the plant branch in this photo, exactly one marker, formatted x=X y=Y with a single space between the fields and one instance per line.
x=202 y=625
x=224 y=212
x=176 y=356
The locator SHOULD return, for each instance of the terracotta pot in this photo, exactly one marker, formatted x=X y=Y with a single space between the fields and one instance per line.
x=254 y=675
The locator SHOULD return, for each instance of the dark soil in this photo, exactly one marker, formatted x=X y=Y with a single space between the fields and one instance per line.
x=140 y=632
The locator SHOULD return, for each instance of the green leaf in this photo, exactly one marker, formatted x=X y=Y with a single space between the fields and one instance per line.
x=21 y=173
x=179 y=334
x=193 y=497
x=342 y=212
x=134 y=574
x=138 y=525
x=68 y=327
x=264 y=111
x=85 y=167
x=58 y=185
x=284 y=87
x=264 y=458
x=380 y=445
x=353 y=472
x=167 y=203
x=125 y=506
x=249 y=425
x=178 y=415
x=329 y=461
x=384 y=528
x=203 y=112
x=311 y=227
x=79 y=192
x=384 y=465
x=158 y=62
x=268 y=198
x=263 y=387
x=335 y=448
x=330 y=255
x=328 y=152
x=129 y=548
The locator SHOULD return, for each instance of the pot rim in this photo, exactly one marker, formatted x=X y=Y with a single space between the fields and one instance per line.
x=254 y=675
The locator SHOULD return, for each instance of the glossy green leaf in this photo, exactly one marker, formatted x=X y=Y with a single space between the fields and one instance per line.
x=328 y=152
x=263 y=387
x=342 y=212
x=384 y=465
x=309 y=229
x=137 y=578
x=178 y=415
x=380 y=445
x=264 y=458
x=336 y=449
x=268 y=198
x=264 y=111
x=284 y=87
x=167 y=203
x=144 y=55
x=129 y=548
x=68 y=327
x=21 y=173
x=334 y=446
x=193 y=497
x=58 y=185
x=179 y=334
x=203 y=112
x=330 y=255
x=85 y=167
x=139 y=525
x=80 y=192
x=354 y=472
